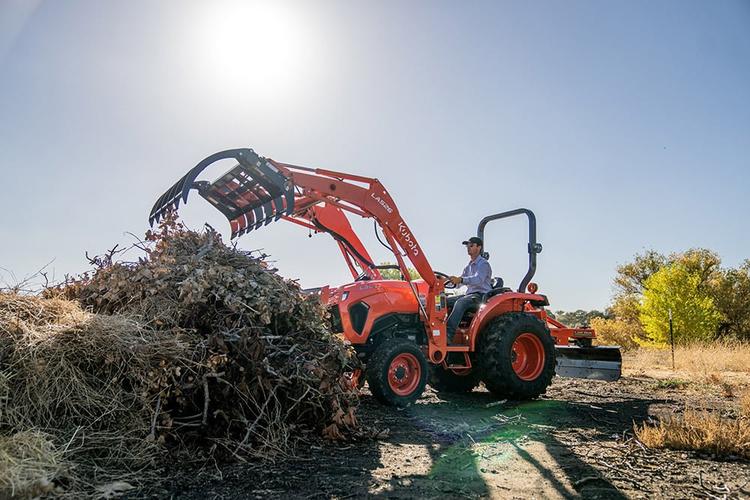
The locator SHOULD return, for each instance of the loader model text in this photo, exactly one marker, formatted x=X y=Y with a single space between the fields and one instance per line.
x=407 y=238
x=382 y=203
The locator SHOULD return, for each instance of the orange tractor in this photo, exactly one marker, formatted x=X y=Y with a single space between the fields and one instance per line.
x=398 y=327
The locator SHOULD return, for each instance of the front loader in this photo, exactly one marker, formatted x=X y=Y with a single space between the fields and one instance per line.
x=398 y=327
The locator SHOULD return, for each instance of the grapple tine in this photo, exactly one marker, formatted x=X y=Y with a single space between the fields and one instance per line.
x=290 y=200
x=258 y=215
x=166 y=201
x=267 y=209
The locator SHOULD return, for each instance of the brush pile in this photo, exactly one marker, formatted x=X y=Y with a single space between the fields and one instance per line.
x=198 y=349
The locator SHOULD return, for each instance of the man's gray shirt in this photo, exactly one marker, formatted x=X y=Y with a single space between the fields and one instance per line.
x=477 y=276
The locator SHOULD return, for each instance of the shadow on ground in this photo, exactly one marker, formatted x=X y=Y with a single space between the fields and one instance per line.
x=479 y=447
x=444 y=446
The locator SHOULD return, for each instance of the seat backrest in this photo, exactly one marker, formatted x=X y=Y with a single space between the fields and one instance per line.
x=493 y=292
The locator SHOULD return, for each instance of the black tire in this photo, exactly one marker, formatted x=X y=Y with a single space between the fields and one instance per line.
x=384 y=384
x=496 y=356
x=442 y=380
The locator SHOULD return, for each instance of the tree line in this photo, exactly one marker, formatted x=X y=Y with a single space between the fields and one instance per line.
x=707 y=301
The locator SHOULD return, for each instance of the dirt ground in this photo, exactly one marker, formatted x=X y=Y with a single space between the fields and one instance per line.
x=577 y=441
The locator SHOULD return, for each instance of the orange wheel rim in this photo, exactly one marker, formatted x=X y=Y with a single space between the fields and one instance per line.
x=404 y=374
x=527 y=356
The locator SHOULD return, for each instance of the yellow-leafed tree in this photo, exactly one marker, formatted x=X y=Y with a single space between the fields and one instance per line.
x=678 y=288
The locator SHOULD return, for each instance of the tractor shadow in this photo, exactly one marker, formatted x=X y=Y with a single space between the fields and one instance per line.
x=480 y=447
x=445 y=446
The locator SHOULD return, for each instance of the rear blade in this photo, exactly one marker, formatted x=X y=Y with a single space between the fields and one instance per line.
x=598 y=363
x=251 y=194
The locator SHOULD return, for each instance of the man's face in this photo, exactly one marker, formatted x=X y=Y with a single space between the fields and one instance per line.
x=473 y=250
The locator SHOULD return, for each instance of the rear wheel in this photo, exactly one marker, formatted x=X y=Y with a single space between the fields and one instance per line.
x=517 y=356
x=443 y=380
x=397 y=372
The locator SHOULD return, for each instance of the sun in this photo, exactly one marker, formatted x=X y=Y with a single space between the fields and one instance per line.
x=250 y=45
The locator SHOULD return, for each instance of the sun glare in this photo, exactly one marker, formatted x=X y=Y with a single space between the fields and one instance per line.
x=258 y=46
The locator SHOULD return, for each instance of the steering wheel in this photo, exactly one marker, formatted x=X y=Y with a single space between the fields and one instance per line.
x=448 y=284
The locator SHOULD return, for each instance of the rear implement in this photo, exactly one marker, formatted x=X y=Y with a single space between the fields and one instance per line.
x=596 y=363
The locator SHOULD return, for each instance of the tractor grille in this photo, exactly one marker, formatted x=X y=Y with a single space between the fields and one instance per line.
x=358 y=316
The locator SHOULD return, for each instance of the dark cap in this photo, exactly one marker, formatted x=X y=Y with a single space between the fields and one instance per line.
x=474 y=239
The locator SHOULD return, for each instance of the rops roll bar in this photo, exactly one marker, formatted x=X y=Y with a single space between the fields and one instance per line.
x=534 y=247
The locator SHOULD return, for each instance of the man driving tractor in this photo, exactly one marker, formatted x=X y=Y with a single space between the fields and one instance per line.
x=477 y=275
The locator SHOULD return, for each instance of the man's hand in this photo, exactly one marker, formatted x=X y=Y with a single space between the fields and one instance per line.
x=456 y=280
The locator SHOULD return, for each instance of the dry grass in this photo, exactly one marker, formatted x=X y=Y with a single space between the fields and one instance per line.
x=700 y=359
x=74 y=386
x=721 y=365
x=705 y=431
x=745 y=404
x=29 y=462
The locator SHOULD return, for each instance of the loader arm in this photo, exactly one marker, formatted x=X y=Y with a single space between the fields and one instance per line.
x=258 y=191
x=327 y=218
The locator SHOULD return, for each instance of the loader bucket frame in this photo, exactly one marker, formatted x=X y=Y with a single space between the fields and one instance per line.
x=252 y=194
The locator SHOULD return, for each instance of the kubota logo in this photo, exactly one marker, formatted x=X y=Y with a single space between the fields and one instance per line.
x=382 y=203
x=411 y=244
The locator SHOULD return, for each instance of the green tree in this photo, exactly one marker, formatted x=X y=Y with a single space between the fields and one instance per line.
x=578 y=318
x=678 y=288
x=623 y=324
x=731 y=294
x=631 y=277
x=632 y=281
x=395 y=274
x=700 y=262
x=626 y=308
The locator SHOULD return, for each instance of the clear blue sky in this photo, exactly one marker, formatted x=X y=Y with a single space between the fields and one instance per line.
x=624 y=125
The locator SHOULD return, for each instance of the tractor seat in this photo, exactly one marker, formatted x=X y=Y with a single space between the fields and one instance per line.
x=498 y=287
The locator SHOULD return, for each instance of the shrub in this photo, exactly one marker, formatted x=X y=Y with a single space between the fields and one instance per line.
x=616 y=332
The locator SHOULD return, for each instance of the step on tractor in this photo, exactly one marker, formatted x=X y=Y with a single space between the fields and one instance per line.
x=508 y=341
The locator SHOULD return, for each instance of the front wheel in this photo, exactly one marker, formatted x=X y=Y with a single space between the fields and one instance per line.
x=516 y=356
x=397 y=372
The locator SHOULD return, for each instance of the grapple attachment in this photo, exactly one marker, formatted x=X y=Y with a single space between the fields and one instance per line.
x=251 y=194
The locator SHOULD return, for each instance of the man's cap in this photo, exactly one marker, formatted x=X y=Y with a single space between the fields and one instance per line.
x=473 y=239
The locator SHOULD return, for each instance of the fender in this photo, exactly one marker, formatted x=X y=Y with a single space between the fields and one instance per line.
x=501 y=304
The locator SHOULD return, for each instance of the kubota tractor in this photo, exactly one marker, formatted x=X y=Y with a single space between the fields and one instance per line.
x=398 y=327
